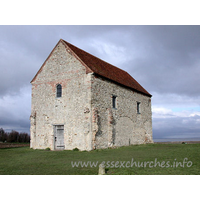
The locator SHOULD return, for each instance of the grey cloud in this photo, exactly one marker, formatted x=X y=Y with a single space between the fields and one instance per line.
x=163 y=59
x=9 y=121
x=9 y=124
x=176 y=127
x=23 y=49
x=168 y=59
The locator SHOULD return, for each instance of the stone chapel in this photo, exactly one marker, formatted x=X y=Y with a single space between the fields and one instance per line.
x=80 y=101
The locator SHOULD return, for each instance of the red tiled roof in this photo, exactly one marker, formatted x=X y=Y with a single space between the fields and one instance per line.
x=107 y=70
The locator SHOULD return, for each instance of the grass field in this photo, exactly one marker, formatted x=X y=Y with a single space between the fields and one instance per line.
x=24 y=160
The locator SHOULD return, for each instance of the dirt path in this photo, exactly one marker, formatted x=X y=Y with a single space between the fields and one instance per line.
x=11 y=145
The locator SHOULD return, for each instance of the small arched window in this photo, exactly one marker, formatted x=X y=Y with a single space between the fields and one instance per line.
x=58 y=90
x=114 y=105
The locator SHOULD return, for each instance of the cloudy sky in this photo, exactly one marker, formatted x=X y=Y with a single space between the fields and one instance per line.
x=165 y=60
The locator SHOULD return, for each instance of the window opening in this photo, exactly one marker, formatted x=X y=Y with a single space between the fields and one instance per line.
x=114 y=101
x=138 y=107
x=59 y=90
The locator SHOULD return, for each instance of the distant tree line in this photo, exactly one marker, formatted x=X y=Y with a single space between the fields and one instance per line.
x=14 y=136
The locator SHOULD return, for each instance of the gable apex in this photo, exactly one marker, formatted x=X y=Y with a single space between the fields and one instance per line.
x=95 y=65
x=69 y=50
x=45 y=61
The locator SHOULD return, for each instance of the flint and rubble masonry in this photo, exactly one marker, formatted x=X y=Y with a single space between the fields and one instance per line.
x=85 y=108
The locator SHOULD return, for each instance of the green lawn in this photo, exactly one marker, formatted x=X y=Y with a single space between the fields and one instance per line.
x=24 y=160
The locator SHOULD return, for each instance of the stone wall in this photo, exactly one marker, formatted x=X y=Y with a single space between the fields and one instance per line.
x=123 y=125
x=85 y=108
x=71 y=110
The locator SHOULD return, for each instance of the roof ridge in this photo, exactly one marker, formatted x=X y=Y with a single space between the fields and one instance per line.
x=100 y=67
x=94 y=56
x=66 y=44
x=106 y=69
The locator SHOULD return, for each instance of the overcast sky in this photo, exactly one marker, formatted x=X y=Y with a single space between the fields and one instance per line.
x=165 y=60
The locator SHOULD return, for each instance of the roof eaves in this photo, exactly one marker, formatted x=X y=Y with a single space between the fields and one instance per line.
x=135 y=90
x=95 y=66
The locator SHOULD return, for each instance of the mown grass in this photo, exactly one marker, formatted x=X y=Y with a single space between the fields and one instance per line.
x=24 y=160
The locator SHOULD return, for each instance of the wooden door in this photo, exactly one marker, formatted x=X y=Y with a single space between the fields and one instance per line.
x=59 y=137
